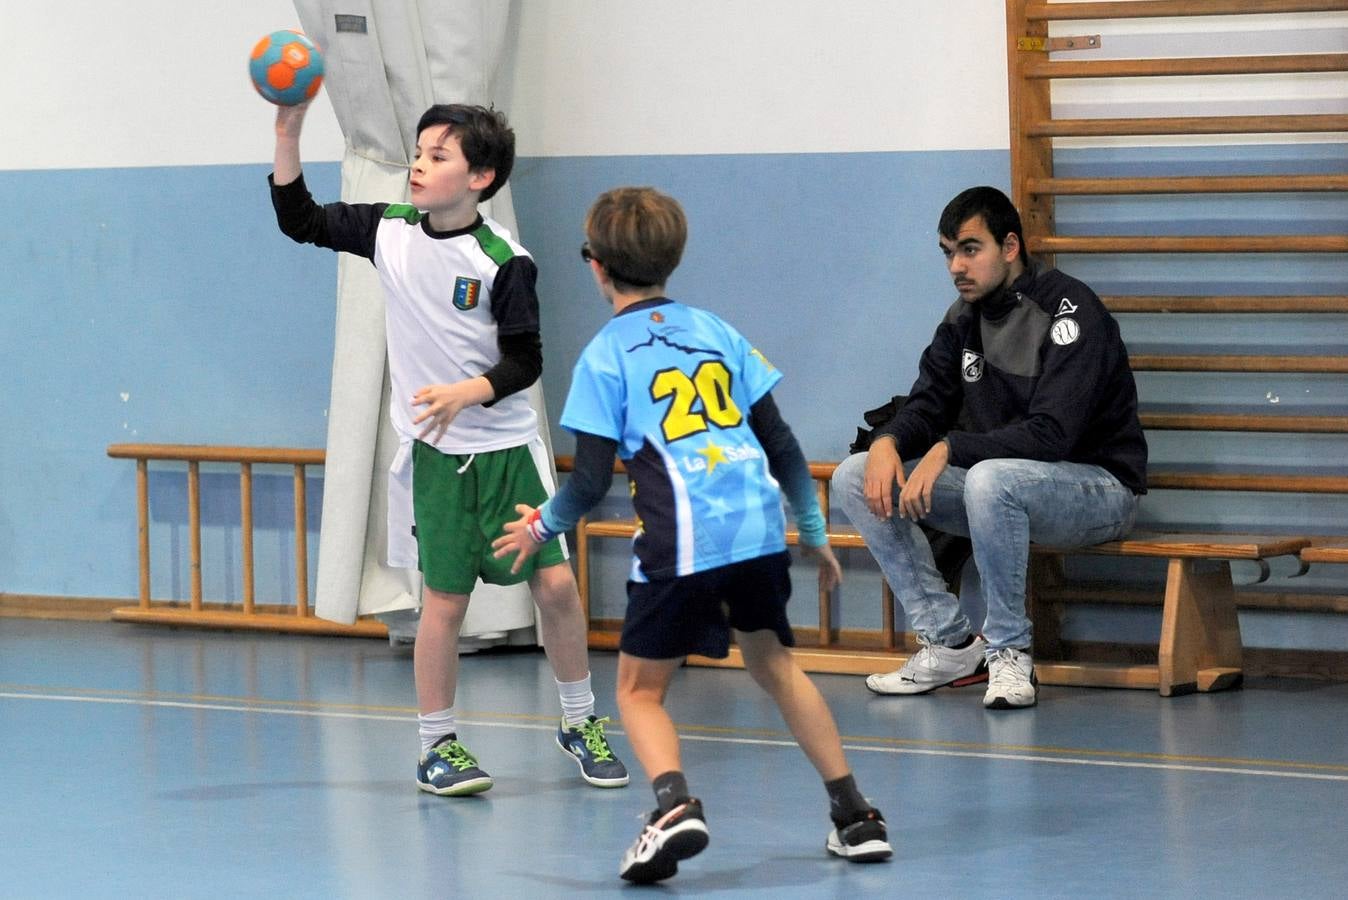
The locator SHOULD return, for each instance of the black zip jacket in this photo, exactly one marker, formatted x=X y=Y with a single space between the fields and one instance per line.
x=1035 y=371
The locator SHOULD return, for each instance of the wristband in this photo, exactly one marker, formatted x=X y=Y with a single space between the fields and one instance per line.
x=538 y=532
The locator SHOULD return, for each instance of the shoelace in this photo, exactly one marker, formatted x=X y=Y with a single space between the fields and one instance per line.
x=592 y=730
x=924 y=656
x=1003 y=669
x=456 y=755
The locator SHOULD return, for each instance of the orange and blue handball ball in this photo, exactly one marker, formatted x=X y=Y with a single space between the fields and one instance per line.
x=286 y=68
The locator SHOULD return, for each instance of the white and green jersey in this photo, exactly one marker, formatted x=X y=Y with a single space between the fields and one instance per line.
x=448 y=297
x=443 y=303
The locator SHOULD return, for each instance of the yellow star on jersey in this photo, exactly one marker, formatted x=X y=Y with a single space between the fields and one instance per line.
x=714 y=454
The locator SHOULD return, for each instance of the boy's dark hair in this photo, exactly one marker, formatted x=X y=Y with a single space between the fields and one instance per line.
x=637 y=234
x=486 y=138
x=997 y=210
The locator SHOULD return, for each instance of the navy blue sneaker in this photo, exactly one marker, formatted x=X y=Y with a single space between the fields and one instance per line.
x=448 y=769
x=587 y=745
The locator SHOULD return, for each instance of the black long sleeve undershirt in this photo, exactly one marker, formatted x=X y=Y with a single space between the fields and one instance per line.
x=521 y=364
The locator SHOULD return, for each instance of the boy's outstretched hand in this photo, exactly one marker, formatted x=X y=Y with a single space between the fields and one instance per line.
x=516 y=538
x=830 y=573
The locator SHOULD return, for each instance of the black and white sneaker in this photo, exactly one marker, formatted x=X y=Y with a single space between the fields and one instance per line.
x=666 y=838
x=865 y=840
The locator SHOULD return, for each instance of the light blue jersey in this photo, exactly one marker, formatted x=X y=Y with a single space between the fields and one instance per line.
x=673 y=385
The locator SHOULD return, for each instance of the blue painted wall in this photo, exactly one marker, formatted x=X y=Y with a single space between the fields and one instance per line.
x=154 y=305
x=172 y=287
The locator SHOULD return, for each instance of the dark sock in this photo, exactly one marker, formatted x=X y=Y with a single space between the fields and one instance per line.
x=671 y=789
x=845 y=803
x=962 y=644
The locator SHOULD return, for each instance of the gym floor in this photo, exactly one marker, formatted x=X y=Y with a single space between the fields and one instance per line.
x=154 y=762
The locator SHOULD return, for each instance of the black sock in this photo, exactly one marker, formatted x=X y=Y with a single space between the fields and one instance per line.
x=671 y=789
x=962 y=644
x=845 y=803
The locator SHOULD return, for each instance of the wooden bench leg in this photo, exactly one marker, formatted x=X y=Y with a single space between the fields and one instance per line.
x=1046 y=572
x=1200 y=634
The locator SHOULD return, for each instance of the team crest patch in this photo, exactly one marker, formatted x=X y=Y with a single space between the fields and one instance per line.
x=971 y=366
x=1065 y=308
x=657 y=317
x=466 y=291
x=1064 y=332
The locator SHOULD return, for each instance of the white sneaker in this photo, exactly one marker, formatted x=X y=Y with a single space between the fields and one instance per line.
x=1011 y=680
x=934 y=666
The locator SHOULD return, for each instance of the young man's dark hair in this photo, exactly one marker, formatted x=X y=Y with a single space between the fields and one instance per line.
x=486 y=138
x=997 y=210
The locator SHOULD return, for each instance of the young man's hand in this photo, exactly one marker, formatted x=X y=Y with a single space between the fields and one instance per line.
x=884 y=469
x=915 y=498
x=517 y=539
x=830 y=573
x=445 y=401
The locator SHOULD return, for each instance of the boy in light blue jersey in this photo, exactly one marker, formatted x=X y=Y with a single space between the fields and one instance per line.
x=685 y=401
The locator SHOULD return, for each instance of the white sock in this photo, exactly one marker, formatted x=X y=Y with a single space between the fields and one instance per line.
x=433 y=726
x=577 y=700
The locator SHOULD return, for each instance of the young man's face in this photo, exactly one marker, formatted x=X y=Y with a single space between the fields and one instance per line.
x=441 y=182
x=977 y=263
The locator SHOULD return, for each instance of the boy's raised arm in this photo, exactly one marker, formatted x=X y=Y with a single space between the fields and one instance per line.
x=289 y=123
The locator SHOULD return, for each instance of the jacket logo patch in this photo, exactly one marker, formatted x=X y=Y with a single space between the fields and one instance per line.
x=466 y=291
x=971 y=366
x=1065 y=308
x=1064 y=332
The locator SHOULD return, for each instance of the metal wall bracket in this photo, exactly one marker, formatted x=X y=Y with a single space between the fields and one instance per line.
x=1047 y=45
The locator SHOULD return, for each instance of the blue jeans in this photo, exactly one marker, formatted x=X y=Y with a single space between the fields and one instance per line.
x=1001 y=505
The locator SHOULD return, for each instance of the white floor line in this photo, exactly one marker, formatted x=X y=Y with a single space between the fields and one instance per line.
x=409 y=719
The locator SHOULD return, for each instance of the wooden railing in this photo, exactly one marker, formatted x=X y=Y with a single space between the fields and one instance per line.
x=824 y=648
x=1191 y=589
x=247 y=614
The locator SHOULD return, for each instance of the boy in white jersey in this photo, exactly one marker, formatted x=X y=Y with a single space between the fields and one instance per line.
x=463 y=341
x=685 y=401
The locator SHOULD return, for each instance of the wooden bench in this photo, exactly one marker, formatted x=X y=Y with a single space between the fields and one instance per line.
x=1334 y=552
x=1200 y=648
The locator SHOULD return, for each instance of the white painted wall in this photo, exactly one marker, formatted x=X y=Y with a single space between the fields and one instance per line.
x=625 y=77
x=160 y=82
x=91 y=84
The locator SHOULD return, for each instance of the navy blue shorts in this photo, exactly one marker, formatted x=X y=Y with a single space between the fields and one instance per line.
x=693 y=614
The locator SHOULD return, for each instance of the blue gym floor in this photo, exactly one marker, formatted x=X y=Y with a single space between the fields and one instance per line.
x=143 y=762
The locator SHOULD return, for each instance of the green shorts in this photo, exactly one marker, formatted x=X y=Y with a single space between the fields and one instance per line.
x=460 y=505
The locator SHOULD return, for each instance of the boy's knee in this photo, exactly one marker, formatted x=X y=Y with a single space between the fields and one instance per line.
x=554 y=585
x=767 y=661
